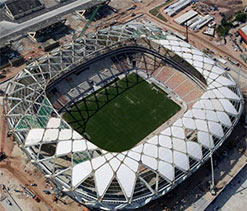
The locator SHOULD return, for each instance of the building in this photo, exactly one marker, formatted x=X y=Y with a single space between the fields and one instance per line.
x=243 y=33
x=186 y=17
x=49 y=45
x=19 y=8
x=10 y=57
x=48 y=30
x=132 y=178
x=177 y=7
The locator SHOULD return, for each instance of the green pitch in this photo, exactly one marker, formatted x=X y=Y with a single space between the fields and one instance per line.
x=120 y=115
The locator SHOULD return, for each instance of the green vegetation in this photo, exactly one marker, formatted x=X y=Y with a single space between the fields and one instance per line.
x=120 y=115
x=155 y=11
x=241 y=16
x=224 y=27
x=226 y=24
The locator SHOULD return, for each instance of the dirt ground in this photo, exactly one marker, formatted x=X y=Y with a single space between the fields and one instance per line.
x=16 y=170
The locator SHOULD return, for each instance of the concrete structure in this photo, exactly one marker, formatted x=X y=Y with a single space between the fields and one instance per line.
x=129 y=179
x=10 y=30
x=47 y=30
x=18 y=8
x=209 y=31
x=185 y=17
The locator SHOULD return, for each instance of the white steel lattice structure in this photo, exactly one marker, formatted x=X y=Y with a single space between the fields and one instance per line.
x=132 y=178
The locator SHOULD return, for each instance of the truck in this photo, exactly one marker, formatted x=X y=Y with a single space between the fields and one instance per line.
x=36 y=198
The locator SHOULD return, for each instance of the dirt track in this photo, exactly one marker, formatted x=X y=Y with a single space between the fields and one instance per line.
x=19 y=175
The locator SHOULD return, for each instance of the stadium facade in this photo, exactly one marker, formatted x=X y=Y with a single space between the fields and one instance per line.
x=129 y=179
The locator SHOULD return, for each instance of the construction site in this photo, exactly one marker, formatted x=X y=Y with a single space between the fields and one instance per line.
x=54 y=54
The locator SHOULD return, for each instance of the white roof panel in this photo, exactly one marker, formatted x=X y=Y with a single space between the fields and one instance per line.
x=217 y=105
x=213 y=76
x=187 y=55
x=199 y=113
x=215 y=129
x=76 y=135
x=150 y=150
x=138 y=148
x=79 y=145
x=211 y=115
x=80 y=172
x=63 y=147
x=201 y=125
x=53 y=122
x=50 y=135
x=189 y=123
x=102 y=179
x=205 y=139
x=198 y=58
x=218 y=70
x=126 y=179
x=224 y=119
x=98 y=161
x=115 y=163
x=165 y=154
x=198 y=64
x=167 y=132
x=225 y=81
x=150 y=162
x=134 y=155
x=229 y=108
x=179 y=145
x=207 y=104
x=178 y=132
x=132 y=164
x=153 y=140
x=166 y=170
x=181 y=160
x=65 y=134
x=208 y=60
x=91 y=146
x=34 y=136
x=228 y=93
x=165 y=141
x=194 y=150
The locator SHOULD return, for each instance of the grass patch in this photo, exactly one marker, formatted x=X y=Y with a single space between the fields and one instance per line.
x=121 y=117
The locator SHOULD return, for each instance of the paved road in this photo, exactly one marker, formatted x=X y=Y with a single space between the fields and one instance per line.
x=8 y=28
x=8 y=207
x=9 y=203
x=234 y=197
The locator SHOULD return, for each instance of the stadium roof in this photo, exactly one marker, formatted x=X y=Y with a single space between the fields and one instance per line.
x=210 y=121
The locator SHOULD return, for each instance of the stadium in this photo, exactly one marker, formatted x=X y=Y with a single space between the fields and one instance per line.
x=119 y=118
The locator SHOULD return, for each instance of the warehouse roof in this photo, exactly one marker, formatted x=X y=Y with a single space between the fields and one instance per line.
x=185 y=17
x=20 y=6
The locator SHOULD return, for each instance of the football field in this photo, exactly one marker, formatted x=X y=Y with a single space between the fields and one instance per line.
x=117 y=117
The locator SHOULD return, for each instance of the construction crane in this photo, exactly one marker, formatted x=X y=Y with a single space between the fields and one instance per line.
x=3 y=133
x=90 y=20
